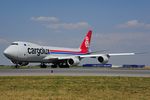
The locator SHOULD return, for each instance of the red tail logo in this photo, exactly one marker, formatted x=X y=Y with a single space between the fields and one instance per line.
x=86 y=42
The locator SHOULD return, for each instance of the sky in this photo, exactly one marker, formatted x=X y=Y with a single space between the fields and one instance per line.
x=117 y=25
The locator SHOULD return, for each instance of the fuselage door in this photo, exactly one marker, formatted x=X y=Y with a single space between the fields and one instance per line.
x=22 y=52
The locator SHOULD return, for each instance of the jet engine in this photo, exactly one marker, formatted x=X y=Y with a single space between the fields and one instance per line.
x=73 y=61
x=103 y=59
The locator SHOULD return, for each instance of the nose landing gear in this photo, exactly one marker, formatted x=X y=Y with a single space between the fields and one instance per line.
x=16 y=66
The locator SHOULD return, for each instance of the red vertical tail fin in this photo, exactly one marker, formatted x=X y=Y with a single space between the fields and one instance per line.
x=84 y=47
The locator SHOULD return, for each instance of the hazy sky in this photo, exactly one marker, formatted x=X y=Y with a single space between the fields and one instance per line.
x=118 y=25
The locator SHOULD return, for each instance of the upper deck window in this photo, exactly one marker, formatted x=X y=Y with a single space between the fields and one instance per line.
x=14 y=44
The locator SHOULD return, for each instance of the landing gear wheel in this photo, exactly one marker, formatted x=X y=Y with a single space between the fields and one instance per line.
x=54 y=66
x=43 y=65
x=16 y=66
x=63 y=65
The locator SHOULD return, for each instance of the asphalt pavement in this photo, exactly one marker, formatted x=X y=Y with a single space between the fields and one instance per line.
x=76 y=72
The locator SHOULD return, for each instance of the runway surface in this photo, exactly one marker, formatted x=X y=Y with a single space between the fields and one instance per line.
x=75 y=72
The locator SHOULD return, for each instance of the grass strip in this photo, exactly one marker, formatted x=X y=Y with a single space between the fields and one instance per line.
x=74 y=88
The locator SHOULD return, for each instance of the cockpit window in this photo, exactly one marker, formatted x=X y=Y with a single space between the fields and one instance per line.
x=14 y=44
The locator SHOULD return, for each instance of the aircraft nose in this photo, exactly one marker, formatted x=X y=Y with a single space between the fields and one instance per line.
x=9 y=53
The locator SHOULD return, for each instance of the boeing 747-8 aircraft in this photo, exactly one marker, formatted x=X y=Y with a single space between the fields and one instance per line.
x=23 y=53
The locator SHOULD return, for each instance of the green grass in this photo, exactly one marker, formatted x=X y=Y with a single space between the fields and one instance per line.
x=74 y=88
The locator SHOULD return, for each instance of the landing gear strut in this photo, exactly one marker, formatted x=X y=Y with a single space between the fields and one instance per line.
x=16 y=66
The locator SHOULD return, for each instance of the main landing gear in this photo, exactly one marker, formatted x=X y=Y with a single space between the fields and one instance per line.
x=56 y=64
x=60 y=65
x=43 y=65
x=16 y=66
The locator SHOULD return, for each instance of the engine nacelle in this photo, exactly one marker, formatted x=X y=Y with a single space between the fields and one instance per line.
x=103 y=59
x=23 y=63
x=73 y=61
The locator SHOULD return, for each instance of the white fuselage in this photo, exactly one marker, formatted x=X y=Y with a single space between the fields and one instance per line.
x=30 y=52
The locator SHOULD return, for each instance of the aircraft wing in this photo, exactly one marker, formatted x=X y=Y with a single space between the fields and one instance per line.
x=61 y=57
x=111 y=54
x=75 y=59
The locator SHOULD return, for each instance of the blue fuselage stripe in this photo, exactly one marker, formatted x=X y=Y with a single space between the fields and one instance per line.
x=71 y=53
